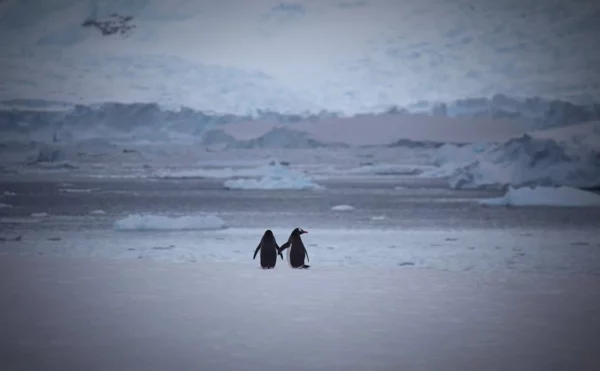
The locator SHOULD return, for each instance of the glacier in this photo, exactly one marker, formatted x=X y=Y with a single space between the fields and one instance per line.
x=53 y=121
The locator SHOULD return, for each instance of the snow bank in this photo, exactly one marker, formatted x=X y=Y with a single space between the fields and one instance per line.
x=343 y=208
x=160 y=222
x=544 y=196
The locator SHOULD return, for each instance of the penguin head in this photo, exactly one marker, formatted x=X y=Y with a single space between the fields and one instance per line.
x=298 y=232
x=268 y=233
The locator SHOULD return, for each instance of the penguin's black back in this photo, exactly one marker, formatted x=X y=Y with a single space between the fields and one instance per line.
x=268 y=250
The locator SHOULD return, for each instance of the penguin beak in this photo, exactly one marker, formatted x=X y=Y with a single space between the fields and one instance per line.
x=304 y=231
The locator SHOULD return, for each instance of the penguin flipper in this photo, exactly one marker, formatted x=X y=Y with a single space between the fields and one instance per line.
x=306 y=252
x=284 y=246
x=256 y=251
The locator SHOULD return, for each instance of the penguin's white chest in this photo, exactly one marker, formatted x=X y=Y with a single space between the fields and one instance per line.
x=289 y=253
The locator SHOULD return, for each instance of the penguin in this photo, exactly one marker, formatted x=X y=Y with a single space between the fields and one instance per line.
x=297 y=251
x=268 y=250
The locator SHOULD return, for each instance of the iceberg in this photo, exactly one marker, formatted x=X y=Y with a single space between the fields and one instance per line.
x=343 y=208
x=566 y=157
x=530 y=161
x=145 y=222
x=544 y=196
x=273 y=176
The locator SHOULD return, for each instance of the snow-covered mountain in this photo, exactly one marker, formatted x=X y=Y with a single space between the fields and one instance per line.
x=56 y=121
x=239 y=56
x=533 y=112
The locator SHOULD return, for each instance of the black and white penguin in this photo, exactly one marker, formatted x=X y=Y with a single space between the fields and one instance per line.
x=297 y=251
x=268 y=250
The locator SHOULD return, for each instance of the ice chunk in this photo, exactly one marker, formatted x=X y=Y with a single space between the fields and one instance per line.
x=450 y=157
x=385 y=169
x=544 y=196
x=39 y=215
x=76 y=190
x=8 y=193
x=4 y=206
x=162 y=222
x=272 y=182
x=342 y=208
x=275 y=176
x=97 y=212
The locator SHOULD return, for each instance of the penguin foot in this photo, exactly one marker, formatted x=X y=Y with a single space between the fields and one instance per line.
x=305 y=266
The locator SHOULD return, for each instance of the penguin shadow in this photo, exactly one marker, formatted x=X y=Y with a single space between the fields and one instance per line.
x=269 y=250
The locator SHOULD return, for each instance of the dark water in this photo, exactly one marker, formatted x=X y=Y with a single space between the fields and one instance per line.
x=420 y=203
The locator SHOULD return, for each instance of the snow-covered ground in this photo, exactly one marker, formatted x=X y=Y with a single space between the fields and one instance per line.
x=73 y=314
